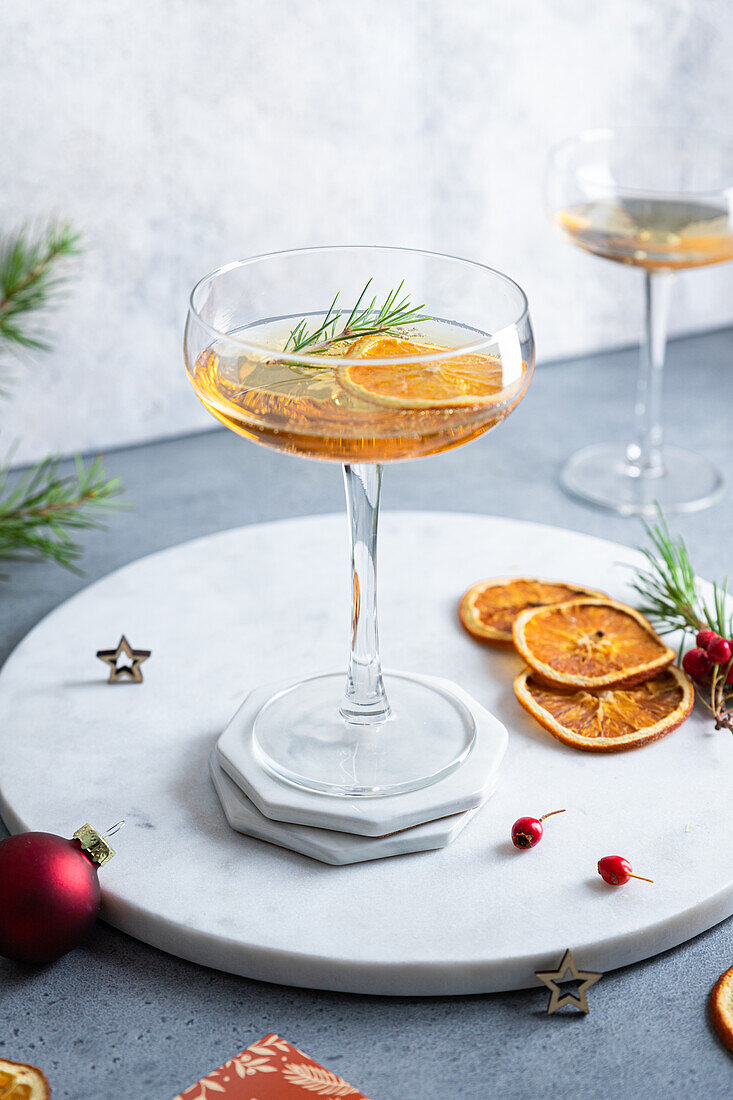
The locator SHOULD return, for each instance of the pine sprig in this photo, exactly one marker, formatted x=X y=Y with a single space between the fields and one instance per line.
x=669 y=594
x=363 y=320
x=671 y=600
x=39 y=513
x=42 y=511
x=31 y=276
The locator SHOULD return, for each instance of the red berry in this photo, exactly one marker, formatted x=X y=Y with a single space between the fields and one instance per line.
x=615 y=870
x=526 y=832
x=705 y=637
x=696 y=664
x=729 y=677
x=719 y=651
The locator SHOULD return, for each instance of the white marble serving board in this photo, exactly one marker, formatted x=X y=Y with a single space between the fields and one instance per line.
x=230 y=611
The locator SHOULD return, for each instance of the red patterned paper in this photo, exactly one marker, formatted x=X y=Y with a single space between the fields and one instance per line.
x=270 y=1069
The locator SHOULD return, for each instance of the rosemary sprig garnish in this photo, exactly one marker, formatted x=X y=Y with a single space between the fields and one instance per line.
x=364 y=320
x=671 y=600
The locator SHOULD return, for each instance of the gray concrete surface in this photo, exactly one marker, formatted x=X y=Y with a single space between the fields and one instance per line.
x=117 y=1020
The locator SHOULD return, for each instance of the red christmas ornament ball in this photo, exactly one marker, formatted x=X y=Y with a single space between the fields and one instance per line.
x=50 y=896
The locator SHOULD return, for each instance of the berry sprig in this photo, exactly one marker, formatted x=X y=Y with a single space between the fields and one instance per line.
x=671 y=601
x=710 y=665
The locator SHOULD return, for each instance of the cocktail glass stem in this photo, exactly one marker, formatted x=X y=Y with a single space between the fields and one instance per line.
x=644 y=455
x=365 y=700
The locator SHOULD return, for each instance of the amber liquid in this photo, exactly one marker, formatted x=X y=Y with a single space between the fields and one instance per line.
x=656 y=234
x=305 y=410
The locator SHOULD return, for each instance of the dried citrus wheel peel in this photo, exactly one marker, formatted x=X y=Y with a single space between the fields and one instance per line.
x=489 y=608
x=468 y=379
x=592 y=643
x=612 y=719
x=22 y=1082
x=721 y=1007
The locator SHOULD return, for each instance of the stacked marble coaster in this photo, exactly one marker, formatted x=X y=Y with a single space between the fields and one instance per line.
x=341 y=829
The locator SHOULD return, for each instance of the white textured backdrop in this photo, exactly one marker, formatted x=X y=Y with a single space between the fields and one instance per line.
x=181 y=134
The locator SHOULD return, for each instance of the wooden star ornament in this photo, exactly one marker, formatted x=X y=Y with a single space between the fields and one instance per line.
x=131 y=671
x=552 y=978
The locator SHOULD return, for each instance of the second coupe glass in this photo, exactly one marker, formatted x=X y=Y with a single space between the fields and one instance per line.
x=660 y=200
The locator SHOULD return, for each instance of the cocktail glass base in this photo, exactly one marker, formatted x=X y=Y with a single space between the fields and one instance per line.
x=301 y=736
x=354 y=803
x=605 y=475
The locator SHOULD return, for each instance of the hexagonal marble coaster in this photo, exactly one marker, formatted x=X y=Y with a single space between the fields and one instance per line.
x=327 y=845
x=463 y=789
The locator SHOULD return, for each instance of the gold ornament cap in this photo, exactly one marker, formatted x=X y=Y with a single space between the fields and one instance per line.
x=94 y=845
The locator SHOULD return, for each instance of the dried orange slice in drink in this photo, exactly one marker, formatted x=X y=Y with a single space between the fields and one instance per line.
x=488 y=609
x=469 y=379
x=591 y=643
x=612 y=719
x=22 y=1082
x=721 y=1007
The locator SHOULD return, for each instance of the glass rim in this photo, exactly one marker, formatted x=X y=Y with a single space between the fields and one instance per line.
x=337 y=360
x=593 y=134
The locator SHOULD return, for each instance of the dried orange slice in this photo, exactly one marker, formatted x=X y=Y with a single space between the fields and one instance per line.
x=489 y=608
x=21 y=1082
x=721 y=1007
x=613 y=719
x=469 y=379
x=590 y=643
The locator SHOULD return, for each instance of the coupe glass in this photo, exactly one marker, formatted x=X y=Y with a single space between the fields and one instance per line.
x=660 y=200
x=362 y=733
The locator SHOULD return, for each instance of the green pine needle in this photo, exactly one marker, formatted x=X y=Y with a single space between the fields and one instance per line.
x=668 y=590
x=40 y=513
x=363 y=320
x=31 y=277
